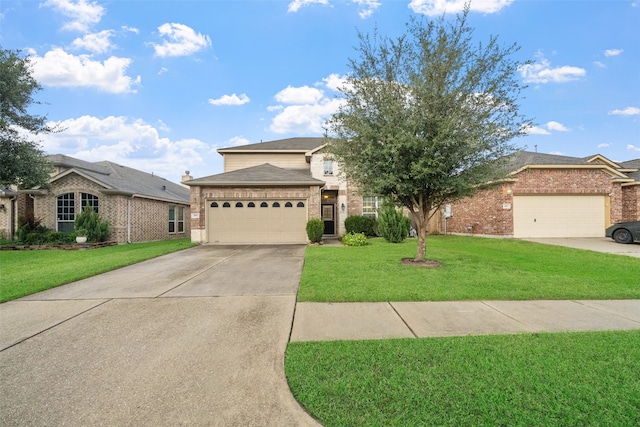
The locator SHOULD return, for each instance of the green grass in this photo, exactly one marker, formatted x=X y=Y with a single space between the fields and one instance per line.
x=27 y=272
x=564 y=379
x=472 y=269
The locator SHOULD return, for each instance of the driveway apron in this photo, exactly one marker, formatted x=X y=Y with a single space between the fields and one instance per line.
x=192 y=338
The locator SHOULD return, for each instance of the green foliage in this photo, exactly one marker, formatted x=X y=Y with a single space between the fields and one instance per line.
x=428 y=116
x=355 y=239
x=22 y=162
x=315 y=230
x=91 y=225
x=365 y=224
x=393 y=225
x=31 y=231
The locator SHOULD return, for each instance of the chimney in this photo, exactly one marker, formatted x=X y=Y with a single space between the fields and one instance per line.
x=186 y=177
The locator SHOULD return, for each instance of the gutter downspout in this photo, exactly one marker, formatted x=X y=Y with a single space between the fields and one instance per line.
x=129 y=219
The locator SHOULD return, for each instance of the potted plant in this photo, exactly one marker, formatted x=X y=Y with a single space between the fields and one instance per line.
x=81 y=235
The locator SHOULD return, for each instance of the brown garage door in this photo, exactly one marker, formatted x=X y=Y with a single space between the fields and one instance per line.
x=257 y=221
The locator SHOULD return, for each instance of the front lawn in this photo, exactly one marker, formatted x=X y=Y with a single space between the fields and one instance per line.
x=563 y=379
x=473 y=268
x=27 y=272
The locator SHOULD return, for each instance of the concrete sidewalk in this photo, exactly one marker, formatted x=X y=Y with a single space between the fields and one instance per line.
x=359 y=321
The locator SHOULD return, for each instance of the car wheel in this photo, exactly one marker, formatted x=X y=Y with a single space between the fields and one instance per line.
x=622 y=236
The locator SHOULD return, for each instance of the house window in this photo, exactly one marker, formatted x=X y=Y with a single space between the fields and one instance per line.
x=226 y=205
x=288 y=205
x=172 y=219
x=300 y=205
x=238 y=204
x=370 y=205
x=66 y=212
x=276 y=205
x=251 y=205
x=264 y=205
x=328 y=167
x=176 y=219
x=214 y=204
x=90 y=200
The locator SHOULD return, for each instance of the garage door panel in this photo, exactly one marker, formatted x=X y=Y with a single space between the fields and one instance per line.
x=243 y=224
x=559 y=216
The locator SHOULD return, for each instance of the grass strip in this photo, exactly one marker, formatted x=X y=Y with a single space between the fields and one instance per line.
x=473 y=268
x=558 y=379
x=27 y=272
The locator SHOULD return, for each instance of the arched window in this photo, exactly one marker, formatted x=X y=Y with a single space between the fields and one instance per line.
x=65 y=212
x=276 y=205
x=239 y=205
x=251 y=205
x=288 y=205
x=214 y=204
x=264 y=205
x=226 y=205
x=300 y=205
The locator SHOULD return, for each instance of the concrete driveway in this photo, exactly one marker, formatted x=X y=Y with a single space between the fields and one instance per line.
x=192 y=338
x=597 y=244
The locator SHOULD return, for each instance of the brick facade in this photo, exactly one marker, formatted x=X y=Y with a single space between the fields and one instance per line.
x=200 y=195
x=490 y=211
x=631 y=203
x=131 y=219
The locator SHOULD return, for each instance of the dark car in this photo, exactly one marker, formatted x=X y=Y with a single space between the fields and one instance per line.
x=625 y=232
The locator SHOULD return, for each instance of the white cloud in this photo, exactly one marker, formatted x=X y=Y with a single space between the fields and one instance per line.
x=599 y=64
x=299 y=95
x=558 y=127
x=629 y=111
x=59 y=68
x=368 y=7
x=439 y=7
x=83 y=14
x=130 y=29
x=604 y=145
x=543 y=72
x=535 y=130
x=237 y=140
x=334 y=81
x=95 y=42
x=307 y=108
x=180 y=40
x=613 y=52
x=232 y=99
x=633 y=148
x=295 y=5
x=162 y=70
x=129 y=142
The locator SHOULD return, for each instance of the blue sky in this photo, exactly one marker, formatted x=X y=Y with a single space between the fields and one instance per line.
x=161 y=85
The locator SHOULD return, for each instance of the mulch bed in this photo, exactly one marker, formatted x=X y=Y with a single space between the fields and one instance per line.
x=67 y=247
x=424 y=263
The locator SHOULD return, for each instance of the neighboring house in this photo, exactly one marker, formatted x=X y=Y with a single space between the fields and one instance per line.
x=552 y=196
x=268 y=191
x=138 y=206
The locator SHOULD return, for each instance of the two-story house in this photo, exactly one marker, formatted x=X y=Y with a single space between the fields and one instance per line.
x=269 y=190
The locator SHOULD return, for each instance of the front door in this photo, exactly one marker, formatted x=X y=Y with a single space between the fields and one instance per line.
x=329 y=218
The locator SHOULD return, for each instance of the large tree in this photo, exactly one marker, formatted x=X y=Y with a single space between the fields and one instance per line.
x=22 y=162
x=427 y=117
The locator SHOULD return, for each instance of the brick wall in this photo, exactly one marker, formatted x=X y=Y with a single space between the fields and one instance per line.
x=631 y=203
x=490 y=211
x=200 y=195
x=130 y=219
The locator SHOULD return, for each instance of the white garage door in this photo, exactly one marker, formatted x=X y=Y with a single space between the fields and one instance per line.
x=257 y=221
x=558 y=216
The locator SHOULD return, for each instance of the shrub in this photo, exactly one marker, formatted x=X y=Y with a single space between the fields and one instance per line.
x=366 y=225
x=393 y=225
x=315 y=230
x=97 y=229
x=355 y=239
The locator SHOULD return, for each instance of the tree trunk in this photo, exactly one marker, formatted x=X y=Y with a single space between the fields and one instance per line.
x=422 y=221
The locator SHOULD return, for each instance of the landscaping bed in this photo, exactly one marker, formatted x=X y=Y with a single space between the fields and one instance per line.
x=64 y=247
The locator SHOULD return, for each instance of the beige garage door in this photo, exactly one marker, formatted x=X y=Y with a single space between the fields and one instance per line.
x=257 y=221
x=558 y=216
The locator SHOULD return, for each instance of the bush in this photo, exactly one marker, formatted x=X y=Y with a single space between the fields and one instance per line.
x=315 y=230
x=366 y=225
x=355 y=239
x=97 y=230
x=393 y=225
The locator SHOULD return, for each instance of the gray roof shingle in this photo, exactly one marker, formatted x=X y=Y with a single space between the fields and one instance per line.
x=265 y=174
x=290 y=144
x=116 y=177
